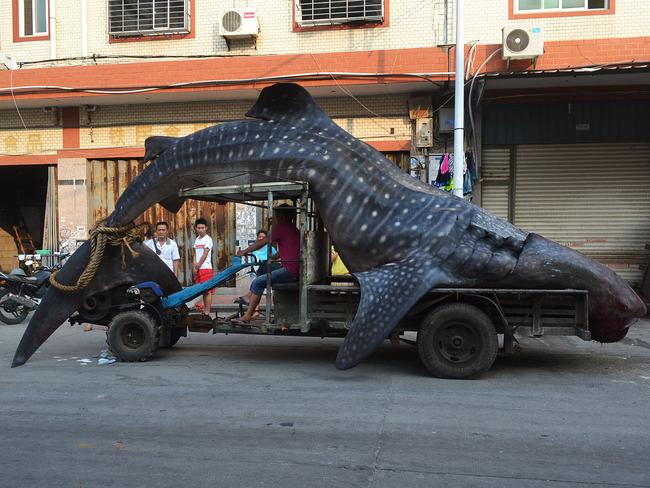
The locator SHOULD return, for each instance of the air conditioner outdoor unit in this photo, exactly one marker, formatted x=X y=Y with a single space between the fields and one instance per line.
x=521 y=42
x=238 y=23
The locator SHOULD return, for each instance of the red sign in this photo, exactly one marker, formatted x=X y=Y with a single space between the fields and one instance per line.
x=249 y=15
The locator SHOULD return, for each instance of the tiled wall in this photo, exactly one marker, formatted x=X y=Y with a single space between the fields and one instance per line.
x=43 y=134
x=130 y=125
x=411 y=23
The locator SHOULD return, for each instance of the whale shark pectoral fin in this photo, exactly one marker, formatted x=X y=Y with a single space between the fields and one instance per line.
x=173 y=204
x=155 y=145
x=387 y=294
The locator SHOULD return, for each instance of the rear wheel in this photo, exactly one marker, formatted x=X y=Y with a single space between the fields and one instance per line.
x=133 y=336
x=457 y=341
x=10 y=311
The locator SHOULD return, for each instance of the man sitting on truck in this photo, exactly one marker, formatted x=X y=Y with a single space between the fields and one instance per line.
x=286 y=237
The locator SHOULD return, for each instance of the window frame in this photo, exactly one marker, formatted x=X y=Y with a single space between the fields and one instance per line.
x=369 y=24
x=154 y=33
x=18 y=18
x=515 y=13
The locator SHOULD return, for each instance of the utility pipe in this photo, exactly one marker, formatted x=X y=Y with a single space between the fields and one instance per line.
x=52 y=13
x=84 y=28
x=459 y=104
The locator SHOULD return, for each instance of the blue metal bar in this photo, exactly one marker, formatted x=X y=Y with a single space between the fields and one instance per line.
x=186 y=294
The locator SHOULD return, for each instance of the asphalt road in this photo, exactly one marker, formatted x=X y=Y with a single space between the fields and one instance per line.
x=240 y=411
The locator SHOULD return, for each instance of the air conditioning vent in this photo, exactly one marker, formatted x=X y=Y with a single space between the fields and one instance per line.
x=231 y=21
x=517 y=40
x=522 y=42
x=238 y=23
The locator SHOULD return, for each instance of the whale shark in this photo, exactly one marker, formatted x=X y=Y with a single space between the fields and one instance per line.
x=398 y=236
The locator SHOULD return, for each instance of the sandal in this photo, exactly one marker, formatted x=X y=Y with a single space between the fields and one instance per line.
x=240 y=322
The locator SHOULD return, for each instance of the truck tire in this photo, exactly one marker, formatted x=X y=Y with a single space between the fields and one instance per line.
x=133 y=336
x=457 y=341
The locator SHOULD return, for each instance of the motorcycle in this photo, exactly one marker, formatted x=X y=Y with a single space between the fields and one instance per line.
x=20 y=294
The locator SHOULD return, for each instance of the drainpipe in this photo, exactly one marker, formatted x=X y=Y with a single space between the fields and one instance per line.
x=84 y=28
x=459 y=104
x=52 y=29
x=446 y=27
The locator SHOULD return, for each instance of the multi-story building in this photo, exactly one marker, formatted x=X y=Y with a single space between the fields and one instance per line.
x=560 y=140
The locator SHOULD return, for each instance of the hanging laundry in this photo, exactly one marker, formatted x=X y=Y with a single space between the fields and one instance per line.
x=445 y=180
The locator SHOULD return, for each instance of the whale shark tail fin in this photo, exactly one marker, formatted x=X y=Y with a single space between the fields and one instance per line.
x=288 y=104
x=387 y=295
x=117 y=268
x=155 y=145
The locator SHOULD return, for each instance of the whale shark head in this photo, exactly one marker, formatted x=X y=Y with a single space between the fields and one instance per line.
x=613 y=304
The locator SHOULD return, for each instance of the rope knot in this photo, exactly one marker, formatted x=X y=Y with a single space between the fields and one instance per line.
x=100 y=236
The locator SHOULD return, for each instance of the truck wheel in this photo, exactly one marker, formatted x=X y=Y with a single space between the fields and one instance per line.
x=457 y=341
x=133 y=336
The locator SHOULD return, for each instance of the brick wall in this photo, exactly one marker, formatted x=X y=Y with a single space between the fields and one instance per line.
x=484 y=21
x=412 y=23
x=130 y=125
x=43 y=134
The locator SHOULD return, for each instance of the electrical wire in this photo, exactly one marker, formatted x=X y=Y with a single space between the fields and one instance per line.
x=471 y=110
x=95 y=57
x=11 y=84
x=352 y=96
x=231 y=81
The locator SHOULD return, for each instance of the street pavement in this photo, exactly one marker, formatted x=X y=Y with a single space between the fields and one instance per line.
x=244 y=411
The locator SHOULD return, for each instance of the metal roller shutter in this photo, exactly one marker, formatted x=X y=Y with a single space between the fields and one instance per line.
x=495 y=181
x=594 y=198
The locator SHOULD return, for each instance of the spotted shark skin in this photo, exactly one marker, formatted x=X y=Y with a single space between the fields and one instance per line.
x=397 y=235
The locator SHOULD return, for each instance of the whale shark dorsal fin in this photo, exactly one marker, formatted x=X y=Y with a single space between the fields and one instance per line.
x=155 y=145
x=387 y=295
x=288 y=103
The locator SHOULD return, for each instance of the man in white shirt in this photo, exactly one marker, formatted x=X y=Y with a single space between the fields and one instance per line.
x=164 y=247
x=203 y=260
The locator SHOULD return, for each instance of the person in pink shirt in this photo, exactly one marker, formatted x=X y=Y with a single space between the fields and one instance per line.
x=286 y=237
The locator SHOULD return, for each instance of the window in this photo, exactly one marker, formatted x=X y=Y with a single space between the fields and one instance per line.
x=327 y=12
x=561 y=5
x=33 y=18
x=141 y=17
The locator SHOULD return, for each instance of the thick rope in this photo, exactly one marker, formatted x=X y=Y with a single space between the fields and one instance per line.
x=100 y=236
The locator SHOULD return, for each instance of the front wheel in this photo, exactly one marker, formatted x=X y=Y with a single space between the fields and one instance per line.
x=133 y=336
x=11 y=312
x=457 y=341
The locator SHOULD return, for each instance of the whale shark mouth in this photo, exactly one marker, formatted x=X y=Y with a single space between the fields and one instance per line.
x=399 y=236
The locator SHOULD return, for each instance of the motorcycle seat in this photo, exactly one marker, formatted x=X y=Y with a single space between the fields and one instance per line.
x=25 y=279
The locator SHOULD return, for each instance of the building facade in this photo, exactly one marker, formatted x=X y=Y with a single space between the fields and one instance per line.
x=87 y=81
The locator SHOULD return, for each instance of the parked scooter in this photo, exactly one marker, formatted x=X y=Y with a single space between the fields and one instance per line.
x=20 y=294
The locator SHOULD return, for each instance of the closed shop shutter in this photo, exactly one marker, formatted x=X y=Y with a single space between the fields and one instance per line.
x=110 y=177
x=495 y=181
x=594 y=198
